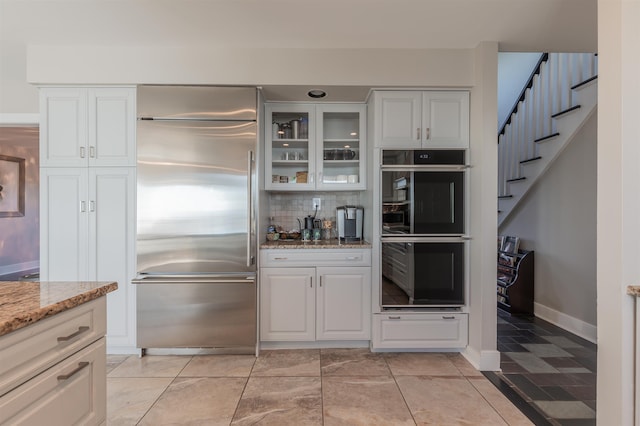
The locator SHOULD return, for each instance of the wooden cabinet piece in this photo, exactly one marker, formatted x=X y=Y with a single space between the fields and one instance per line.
x=87 y=194
x=420 y=331
x=315 y=147
x=421 y=119
x=300 y=300
x=87 y=126
x=515 y=288
x=87 y=232
x=54 y=371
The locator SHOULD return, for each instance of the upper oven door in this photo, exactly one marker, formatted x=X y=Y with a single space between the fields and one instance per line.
x=438 y=202
x=423 y=192
x=422 y=202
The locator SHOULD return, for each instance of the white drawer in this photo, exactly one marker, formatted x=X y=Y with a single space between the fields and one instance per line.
x=314 y=257
x=72 y=392
x=32 y=349
x=420 y=331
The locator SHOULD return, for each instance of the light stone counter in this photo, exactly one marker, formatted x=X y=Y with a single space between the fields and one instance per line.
x=633 y=290
x=321 y=244
x=26 y=302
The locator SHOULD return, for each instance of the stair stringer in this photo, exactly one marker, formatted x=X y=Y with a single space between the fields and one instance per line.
x=568 y=126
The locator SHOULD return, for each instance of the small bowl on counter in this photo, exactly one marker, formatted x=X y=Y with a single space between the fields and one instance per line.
x=273 y=236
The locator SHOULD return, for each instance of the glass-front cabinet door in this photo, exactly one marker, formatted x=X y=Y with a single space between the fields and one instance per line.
x=341 y=146
x=315 y=146
x=290 y=148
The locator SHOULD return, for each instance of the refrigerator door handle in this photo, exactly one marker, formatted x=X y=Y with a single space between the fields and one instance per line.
x=250 y=208
x=187 y=279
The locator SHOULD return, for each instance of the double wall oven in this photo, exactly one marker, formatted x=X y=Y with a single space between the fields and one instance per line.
x=423 y=228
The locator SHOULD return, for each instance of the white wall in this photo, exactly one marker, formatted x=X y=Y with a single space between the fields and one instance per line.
x=618 y=205
x=557 y=219
x=514 y=69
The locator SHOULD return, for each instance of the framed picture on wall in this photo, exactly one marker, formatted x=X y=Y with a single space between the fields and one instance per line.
x=511 y=244
x=12 y=182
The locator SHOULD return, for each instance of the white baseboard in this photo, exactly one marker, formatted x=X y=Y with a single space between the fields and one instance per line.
x=574 y=325
x=483 y=360
x=19 y=267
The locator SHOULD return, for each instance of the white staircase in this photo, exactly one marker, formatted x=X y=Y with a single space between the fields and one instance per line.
x=558 y=99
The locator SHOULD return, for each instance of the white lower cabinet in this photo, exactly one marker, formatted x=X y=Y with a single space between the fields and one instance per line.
x=54 y=371
x=420 y=331
x=87 y=232
x=315 y=303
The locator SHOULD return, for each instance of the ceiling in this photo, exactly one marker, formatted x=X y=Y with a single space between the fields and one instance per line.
x=517 y=25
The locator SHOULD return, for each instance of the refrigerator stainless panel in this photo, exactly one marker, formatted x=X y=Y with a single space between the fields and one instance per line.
x=193 y=200
x=198 y=314
x=197 y=102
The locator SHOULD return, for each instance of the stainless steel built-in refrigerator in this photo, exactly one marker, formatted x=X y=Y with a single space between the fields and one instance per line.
x=196 y=242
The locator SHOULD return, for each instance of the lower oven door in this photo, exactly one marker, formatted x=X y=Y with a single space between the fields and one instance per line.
x=422 y=273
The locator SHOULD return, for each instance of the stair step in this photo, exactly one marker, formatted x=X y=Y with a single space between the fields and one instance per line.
x=587 y=81
x=516 y=179
x=528 y=160
x=558 y=114
x=503 y=197
x=547 y=137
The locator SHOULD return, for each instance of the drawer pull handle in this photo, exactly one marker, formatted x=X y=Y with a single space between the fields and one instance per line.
x=446 y=317
x=76 y=334
x=352 y=258
x=280 y=258
x=80 y=366
x=394 y=318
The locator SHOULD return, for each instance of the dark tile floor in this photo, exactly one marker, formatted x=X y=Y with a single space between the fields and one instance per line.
x=549 y=373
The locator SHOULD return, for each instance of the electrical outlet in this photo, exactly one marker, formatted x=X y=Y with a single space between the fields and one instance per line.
x=316 y=203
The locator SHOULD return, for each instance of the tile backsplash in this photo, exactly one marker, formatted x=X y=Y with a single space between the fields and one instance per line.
x=287 y=207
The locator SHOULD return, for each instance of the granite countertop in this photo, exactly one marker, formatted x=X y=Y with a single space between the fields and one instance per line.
x=633 y=290
x=321 y=244
x=26 y=302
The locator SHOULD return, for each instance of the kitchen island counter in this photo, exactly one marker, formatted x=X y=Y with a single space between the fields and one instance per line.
x=25 y=302
x=322 y=244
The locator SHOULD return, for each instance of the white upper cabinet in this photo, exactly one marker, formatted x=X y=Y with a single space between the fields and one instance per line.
x=421 y=119
x=290 y=147
x=315 y=147
x=340 y=147
x=87 y=126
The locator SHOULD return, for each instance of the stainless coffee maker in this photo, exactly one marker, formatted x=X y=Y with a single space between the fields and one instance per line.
x=349 y=221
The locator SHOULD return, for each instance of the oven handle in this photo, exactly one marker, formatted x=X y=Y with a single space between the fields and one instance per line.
x=431 y=238
x=425 y=167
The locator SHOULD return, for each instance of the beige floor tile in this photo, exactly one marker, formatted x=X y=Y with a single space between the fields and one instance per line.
x=352 y=362
x=463 y=365
x=280 y=401
x=219 y=366
x=366 y=401
x=151 y=366
x=197 y=401
x=446 y=401
x=499 y=402
x=128 y=399
x=421 y=364
x=115 y=360
x=304 y=362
